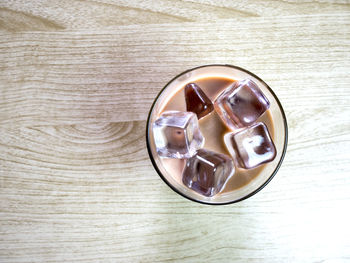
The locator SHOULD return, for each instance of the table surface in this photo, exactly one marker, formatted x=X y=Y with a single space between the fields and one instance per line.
x=77 y=80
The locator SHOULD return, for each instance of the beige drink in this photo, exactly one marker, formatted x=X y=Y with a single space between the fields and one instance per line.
x=216 y=134
x=213 y=129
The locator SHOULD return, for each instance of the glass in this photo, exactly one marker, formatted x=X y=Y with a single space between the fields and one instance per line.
x=266 y=172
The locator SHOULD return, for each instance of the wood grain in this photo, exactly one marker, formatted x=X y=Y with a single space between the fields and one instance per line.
x=91 y=187
x=88 y=192
x=77 y=79
x=51 y=15
x=97 y=76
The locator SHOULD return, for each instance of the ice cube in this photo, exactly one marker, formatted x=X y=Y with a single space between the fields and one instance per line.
x=208 y=172
x=197 y=101
x=177 y=134
x=241 y=104
x=251 y=146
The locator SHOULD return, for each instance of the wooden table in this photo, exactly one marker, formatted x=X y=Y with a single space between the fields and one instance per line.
x=77 y=79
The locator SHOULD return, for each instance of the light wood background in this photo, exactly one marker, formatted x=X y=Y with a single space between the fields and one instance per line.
x=77 y=79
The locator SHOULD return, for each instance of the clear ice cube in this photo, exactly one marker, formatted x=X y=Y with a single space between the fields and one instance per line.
x=197 y=101
x=208 y=172
x=251 y=146
x=241 y=104
x=177 y=134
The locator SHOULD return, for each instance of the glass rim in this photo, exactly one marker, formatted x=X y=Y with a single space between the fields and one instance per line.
x=262 y=185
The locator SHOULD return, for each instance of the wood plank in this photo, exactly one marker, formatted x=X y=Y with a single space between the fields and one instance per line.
x=110 y=76
x=115 y=153
x=52 y=15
